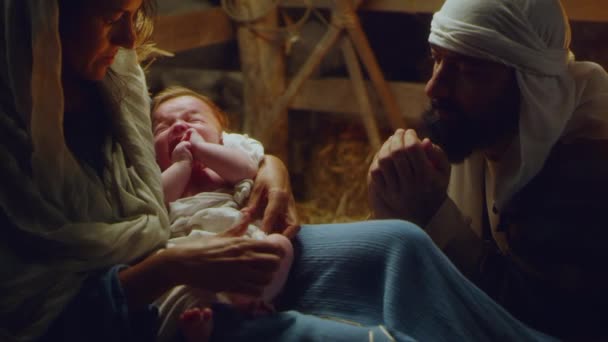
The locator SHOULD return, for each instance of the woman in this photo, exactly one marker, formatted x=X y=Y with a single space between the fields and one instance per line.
x=84 y=221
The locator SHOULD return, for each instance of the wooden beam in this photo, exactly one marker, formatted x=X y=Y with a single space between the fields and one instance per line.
x=333 y=95
x=263 y=66
x=578 y=10
x=336 y=95
x=422 y=6
x=586 y=10
x=368 y=59
x=190 y=30
x=361 y=93
x=312 y=62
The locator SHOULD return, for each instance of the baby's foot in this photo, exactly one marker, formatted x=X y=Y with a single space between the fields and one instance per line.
x=196 y=324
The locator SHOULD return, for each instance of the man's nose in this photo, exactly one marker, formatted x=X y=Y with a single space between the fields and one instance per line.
x=438 y=85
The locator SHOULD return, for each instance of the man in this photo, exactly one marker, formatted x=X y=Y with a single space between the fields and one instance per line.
x=521 y=210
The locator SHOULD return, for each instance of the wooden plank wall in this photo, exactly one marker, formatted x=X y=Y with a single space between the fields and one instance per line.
x=202 y=28
x=578 y=10
x=335 y=95
x=180 y=32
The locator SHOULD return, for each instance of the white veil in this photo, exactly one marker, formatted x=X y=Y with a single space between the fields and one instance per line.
x=65 y=222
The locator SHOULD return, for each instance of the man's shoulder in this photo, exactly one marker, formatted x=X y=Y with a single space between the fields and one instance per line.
x=575 y=173
x=580 y=160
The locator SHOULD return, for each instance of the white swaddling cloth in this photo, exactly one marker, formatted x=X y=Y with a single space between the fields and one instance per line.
x=211 y=213
x=66 y=222
x=206 y=213
x=215 y=212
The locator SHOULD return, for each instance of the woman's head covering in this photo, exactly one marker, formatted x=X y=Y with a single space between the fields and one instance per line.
x=558 y=95
x=63 y=221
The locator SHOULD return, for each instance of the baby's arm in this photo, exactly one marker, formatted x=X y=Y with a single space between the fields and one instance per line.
x=232 y=164
x=176 y=177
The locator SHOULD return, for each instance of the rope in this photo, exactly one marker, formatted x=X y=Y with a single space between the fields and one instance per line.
x=289 y=31
x=229 y=7
x=345 y=20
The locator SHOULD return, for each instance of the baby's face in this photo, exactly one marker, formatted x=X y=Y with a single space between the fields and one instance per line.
x=173 y=118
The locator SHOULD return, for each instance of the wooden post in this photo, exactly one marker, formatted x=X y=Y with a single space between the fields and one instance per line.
x=360 y=91
x=263 y=66
x=356 y=33
x=334 y=31
x=313 y=61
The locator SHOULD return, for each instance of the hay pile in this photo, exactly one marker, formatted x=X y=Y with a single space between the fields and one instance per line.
x=336 y=186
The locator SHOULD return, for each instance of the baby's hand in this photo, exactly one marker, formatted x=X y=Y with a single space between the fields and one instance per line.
x=194 y=137
x=182 y=152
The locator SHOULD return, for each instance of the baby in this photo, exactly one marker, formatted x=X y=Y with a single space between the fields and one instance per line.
x=207 y=176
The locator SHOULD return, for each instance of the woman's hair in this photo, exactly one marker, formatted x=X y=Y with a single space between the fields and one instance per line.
x=144 y=26
x=177 y=91
x=144 y=22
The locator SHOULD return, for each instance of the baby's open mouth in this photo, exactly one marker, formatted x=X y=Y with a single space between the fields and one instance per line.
x=177 y=139
x=174 y=141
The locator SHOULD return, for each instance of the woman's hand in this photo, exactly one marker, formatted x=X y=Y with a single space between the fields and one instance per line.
x=408 y=178
x=272 y=199
x=225 y=262
x=214 y=263
x=219 y=263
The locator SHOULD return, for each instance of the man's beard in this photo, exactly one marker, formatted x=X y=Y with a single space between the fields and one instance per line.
x=460 y=134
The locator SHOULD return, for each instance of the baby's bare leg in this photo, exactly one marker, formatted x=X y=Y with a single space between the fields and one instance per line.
x=261 y=305
x=276 y=285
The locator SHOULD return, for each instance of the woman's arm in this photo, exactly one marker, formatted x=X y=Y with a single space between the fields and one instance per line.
x=149 y=279
x=115 y=305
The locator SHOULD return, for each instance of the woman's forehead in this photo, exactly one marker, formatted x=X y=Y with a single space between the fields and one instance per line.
x=120 y=5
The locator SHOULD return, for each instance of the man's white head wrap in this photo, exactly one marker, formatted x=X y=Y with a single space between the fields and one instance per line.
x=65 y=222
x=560 y=99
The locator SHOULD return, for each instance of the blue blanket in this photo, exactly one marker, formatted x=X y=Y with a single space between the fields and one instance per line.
x=375 y=281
